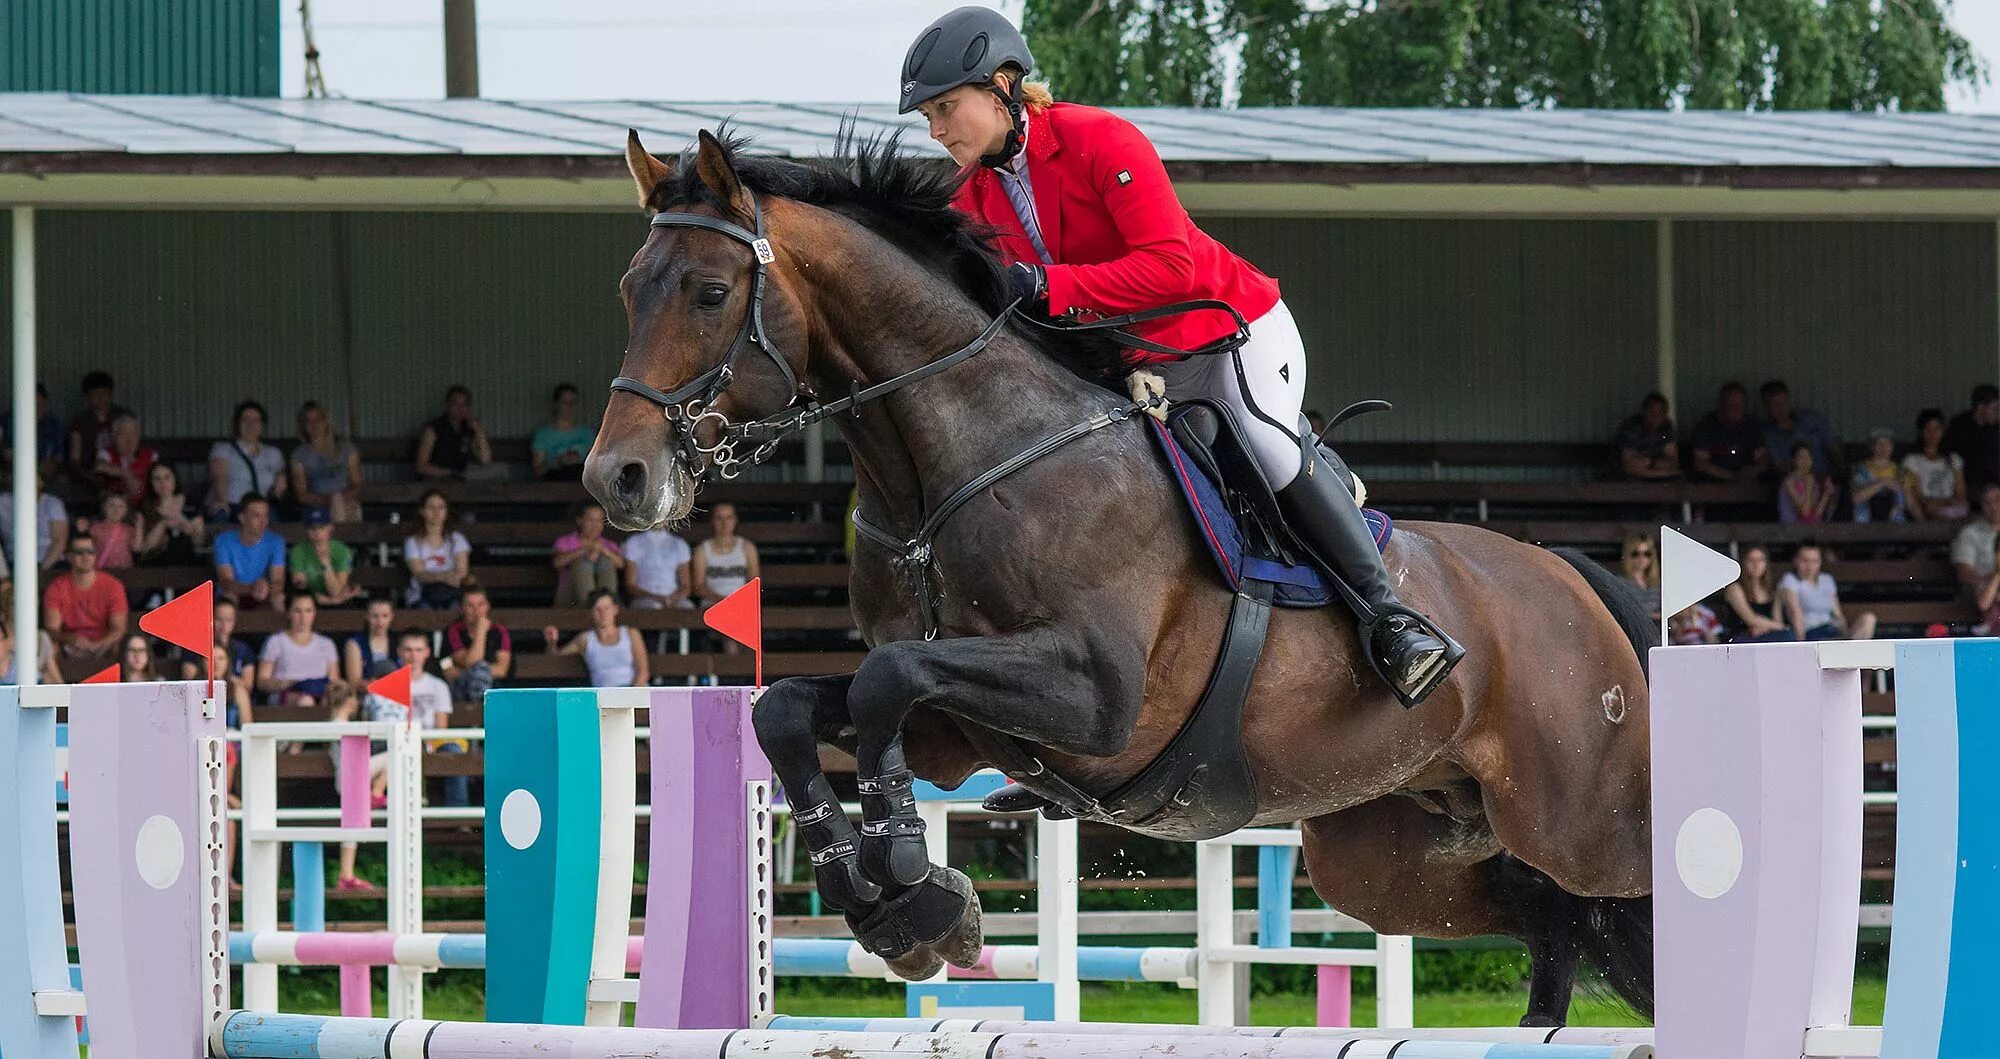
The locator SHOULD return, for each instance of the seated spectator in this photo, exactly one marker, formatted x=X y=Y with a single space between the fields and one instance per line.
x=1813 y=601
x=1786 y=428
x=135 y=661
x=482 y=650
x=51 y=528
x=45 y=649
x=1974 y=436
x=343 y=702
x=1805 y=495
x=615 y=654
x=1636 y=565
x=250 y=559
x=321 y=565
x=559 y=448
x=1644 y=443
x=48 y=436
x=430 y=701
x=85 y=612
x=1939 y=475
x=584 y=560
x=1695 y=625
x=724 y=562
x=89 y=430
x=371 y=653
x=454 y=444
x=1883 y=491
x=1972 y=548
x=325 y=468
x=243 y=465
x=656 y=569
x=1728 y=444
x=170 y=531
x=1753 y=612
x=438 y=557
x=296 y=665
x=242 y=661
x=115 y=532
x=123 y=466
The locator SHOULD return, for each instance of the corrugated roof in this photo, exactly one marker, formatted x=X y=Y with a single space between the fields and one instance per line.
x=78 y=126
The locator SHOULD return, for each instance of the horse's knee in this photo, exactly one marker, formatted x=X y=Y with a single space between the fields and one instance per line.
x=783 y=722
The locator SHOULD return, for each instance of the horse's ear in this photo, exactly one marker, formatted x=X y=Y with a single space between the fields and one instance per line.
x=647 y=171
x=711 y=163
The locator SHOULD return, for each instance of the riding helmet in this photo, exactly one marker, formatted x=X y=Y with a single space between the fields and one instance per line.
x=964 y=47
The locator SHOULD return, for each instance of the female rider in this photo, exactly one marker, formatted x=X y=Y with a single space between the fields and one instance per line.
x=1090 y=224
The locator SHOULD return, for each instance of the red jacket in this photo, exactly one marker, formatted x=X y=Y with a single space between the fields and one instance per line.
x=1120 y=238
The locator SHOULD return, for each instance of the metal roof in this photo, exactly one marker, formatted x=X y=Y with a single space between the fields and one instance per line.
x=83 y=127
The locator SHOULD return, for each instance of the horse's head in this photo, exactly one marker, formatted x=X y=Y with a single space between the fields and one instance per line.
x=710 y=331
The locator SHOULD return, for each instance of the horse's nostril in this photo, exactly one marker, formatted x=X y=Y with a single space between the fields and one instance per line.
x=631 y=483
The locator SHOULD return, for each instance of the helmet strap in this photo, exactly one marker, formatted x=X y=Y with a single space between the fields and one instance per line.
x=1011 y=146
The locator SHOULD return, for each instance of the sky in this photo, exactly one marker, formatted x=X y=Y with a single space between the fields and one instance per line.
x=690 y=50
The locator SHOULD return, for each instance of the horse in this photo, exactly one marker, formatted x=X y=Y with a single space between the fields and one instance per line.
x=1065 y=604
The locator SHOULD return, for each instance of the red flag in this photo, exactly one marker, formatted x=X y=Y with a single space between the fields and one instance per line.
x=107 y=675
x=187 y=621
x=740 y=616
x=393 y=686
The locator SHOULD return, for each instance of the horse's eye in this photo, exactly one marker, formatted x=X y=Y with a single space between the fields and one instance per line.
x=711 y=296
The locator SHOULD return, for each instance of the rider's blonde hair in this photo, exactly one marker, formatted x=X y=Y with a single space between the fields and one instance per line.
x=1035 y=95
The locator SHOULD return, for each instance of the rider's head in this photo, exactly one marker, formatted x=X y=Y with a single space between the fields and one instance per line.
x=965 y=72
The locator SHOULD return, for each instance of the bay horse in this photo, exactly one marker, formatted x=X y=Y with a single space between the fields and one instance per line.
x=1069 y=604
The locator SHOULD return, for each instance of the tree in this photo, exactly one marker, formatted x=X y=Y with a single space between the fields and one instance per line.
x=1718 y=54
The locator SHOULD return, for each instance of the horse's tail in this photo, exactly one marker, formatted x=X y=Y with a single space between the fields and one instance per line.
x=1614 y=933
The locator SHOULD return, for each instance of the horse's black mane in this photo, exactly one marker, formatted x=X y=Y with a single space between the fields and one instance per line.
x=904 y=199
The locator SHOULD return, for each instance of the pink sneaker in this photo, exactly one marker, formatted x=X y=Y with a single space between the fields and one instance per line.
x=355 y=886
x=380 y=801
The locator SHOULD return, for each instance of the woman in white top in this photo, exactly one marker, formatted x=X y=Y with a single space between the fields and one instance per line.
x=614 y=653
x=724 y=562
x=1813 y=601
x=1940 y=475
x=438 y=556
x=297 y=665
x=244 y=464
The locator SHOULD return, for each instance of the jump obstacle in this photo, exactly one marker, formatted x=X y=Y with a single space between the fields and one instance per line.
x=1757 y=880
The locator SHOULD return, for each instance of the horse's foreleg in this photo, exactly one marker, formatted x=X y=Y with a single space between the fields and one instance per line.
x=792 y=718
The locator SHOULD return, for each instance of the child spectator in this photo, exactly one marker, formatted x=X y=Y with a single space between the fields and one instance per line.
x=114 y=532
x=1805 y=494
x=614 y=654
x=325 y=468
x=85 y=612
x=250 y=559
x=297 y=665
x=321 y=565
x=170 y=533
x=371 y=652
x=135 y=661
x=1695 y=625
x=1644 y=443
x=1636 y=566
x=724 y=562
x=438 y=557
x=1729 y=444
x=1974 y=436
x=1882 y=489
x=51 y=527
x=244 y=465
x=1813 y=601
x=584 y=560
x=430 y=701
x=90 y=430
x=482 y=650
x=1753 y=611
x=122 y=466
x=1939 y=475
x=454 y=444
x=559 y=448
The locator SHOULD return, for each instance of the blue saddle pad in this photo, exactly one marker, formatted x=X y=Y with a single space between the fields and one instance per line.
x=1295 y=586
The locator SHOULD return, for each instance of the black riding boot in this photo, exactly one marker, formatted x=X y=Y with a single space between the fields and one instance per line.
x=1322 y=513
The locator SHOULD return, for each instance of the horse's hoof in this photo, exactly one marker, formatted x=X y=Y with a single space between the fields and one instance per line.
x=920 y=964
x=962 y=944
x=904 y=930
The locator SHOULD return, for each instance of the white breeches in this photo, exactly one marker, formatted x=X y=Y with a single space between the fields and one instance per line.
x=1273 y=363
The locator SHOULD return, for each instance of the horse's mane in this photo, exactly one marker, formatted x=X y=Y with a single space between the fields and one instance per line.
x=904 y=199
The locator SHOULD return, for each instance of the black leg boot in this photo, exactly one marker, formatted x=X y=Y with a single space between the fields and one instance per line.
x=1404 y=647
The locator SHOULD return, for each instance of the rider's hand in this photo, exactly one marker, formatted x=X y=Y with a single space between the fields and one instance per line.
x=1150 y=389
x=1028 y=283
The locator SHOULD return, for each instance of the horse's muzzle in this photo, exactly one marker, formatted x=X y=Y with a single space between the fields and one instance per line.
x=639 y=491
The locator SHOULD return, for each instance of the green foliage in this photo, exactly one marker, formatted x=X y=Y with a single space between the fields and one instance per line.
x=1709 y=54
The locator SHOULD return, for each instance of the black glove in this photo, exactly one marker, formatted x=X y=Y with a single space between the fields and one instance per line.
x=1028 y=283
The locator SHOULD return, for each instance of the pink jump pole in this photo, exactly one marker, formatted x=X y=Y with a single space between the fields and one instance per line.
x=357 y=991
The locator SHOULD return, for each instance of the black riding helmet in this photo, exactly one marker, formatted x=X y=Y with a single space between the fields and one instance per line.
x=966 y=47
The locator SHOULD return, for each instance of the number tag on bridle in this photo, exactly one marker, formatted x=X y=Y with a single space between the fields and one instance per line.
x=762 y=248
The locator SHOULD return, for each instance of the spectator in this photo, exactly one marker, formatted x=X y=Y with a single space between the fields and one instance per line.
x=51 y=527
x=170 y=533
x=1940 y=475
x=1805 y=495
x=1974 y=436
x=437 y=556
x=454 y=444
x=343 y=703
x=48 y=436
x=584 y=560
x=1972 y=549
x=1753 y=612
x=430 y=700
x=45 y=648
x=1728 y=443
x=1636 y=566
x=321 y=565
x=1695 y=625
x=297 y=665
x=482 y=650
x=325 y=468
x=724 y=562
x=1883 y=491
x=236 y=687
x=1786 y=428
x=250 y=559
x=243 y=465
x=135 y=661
x=1813 y=601
x=90 y=429
x=114 y=531
x=1986 y=596
x=559 y=448
x=371 y=653
x=656 y=569
x=84 y=611
x=242 y=661
x=123 y=466
x=1644 y=442
x=614 y=654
